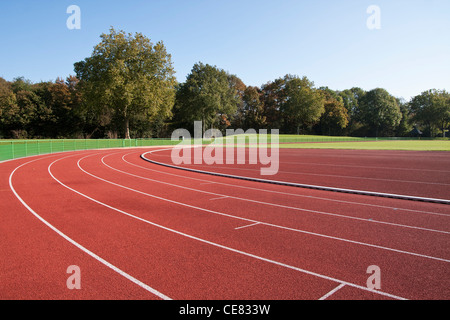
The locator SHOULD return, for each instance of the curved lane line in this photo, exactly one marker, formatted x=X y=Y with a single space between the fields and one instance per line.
x=76 y=244
x=219 y=196
x=299 y=185
x=210 y=242
x=261 y=222
x=330 y=175
x=285 y=193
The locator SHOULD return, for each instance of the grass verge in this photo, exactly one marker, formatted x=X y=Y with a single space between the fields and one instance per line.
x=416 y=145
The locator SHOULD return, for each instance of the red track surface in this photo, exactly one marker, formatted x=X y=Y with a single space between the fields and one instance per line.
x=412 y=173
x=143 y=231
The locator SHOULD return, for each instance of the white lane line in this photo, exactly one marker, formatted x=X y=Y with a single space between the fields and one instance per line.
x=263 y=223
x=218 y=198
x=365 y=167
x=246 y=226
x=210 y=242
x=79 y=246
x=286 y=193
x=302 y=185
x=222 y=196
x=321 y=174
x=332 y=291
x=332 y=175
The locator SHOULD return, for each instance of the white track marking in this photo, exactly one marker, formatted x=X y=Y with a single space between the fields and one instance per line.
x=213 y=243
x=365 y=153
x=218 y=198
x=302 y=185
x=332 y=291
x=323 y=174
x=79 y=246
x=327 y=175
x=246 y=226
x=284 y=193
x=263 y=223
x=223 y=196
x=365 y=167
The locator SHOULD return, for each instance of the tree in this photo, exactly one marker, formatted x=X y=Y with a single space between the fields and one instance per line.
x=351 y=98
x=253 y=109
x=43 y=119
x=380 y=112
x=8 y=106
x=127 y=77
x=273 y=97
x=239 y=87
x=208 y=95
x=432 y=109
x=335 y=117
x=303 y=105
x=24 y=112
x=404 y=128
x=65 y=102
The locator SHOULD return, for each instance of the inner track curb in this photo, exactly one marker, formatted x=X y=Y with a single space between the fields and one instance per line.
x=306 y=186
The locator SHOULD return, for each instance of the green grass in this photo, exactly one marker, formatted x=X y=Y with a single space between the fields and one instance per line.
x=288 y=138
x=411 y=145
x=333 y=142
x=10 y=149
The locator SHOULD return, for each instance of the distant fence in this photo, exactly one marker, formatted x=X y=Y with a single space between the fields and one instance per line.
x=13 y=149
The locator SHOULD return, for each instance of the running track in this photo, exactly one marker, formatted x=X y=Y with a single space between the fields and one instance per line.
x=143 y=231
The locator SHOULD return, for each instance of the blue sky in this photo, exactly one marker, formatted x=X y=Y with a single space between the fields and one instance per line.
x=258 y=40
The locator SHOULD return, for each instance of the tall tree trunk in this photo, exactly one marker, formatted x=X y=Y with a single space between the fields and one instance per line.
x=127 y=128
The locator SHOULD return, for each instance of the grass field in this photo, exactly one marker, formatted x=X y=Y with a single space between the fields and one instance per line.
x=331 y=142
x=10 y=149
x=412 y=145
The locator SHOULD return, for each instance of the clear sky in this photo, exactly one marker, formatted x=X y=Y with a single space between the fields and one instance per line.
x=258 y=40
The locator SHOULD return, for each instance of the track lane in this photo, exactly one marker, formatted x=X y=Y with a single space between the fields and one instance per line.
x=309 y=196
x=260 y=235
x=290 y=199
x=373 y=171
x=165 y=259
x=317 y=221
x=245 y=253
x=35 y=258
x=252 y=228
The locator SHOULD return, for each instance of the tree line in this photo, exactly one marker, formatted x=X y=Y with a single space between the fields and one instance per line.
x=127 y=89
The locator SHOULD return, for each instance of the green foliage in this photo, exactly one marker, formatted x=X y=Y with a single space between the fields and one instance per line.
x=253 y=112
x=350 y=99
x=432 y=109
x=208 y=95
x=335 y=117
x=127 y=88
x=127 y=79
x=273 y=96
x=380 y=112
x=303 y=105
